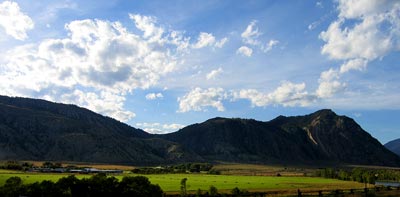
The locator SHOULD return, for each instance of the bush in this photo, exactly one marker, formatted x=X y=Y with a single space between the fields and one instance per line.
x=12 y=165
x=97 y=185
x=213 y=191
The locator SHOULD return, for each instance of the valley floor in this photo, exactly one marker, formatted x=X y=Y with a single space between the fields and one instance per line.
x=170 y=183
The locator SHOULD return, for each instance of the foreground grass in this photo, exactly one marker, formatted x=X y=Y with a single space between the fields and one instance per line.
x=171 y=182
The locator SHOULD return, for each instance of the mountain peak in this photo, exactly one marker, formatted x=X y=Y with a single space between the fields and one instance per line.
x=320 y=136
x=325 y=112
x=34 y=129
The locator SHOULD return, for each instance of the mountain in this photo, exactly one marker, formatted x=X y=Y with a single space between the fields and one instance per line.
x=394 y=146
x=32 y=129
x=321 y=137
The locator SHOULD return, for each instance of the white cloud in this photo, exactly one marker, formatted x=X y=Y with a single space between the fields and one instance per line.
x=257 y=99
x=147 y=25
x=329 y=84
x=14 y=22
x=250 y=37
x=104 y=103
x=270 y=45
x=204 y=39
x=244 y=50
x=361 y=8
x=290 y=94
x=198 y=99
x=371 y=36
x=373 y=32
x=364 y=40
x=221 y=42
x=354 y=64
x=97 y=56
x=153 y=96
x=178 y=39
x=214 y=73
x=173 y=126
x=157 y=128
x=251 y=34
x=287 y=94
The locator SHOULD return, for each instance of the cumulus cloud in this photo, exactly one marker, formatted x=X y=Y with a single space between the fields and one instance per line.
x=147 y=25
x=97 y=56
x=207 y=39
x=204 y=39
x=361 y=8
x=374 y=32
x=287 y=94
x=13 y=21
x=354 y=64
x=158 y=128
x=362 y=41
x=214 y=73
x=153 y=96
x=329 y=84
x=198 y=99
x=370 y=38
x=257 y=99
x=244 y=50
x=103 y=102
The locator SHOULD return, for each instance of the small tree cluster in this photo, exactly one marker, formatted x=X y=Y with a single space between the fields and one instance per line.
x=15 y=165
x=361 y=175
x=97 y=185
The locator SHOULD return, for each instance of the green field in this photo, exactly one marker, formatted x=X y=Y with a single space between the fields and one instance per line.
x=171 y=182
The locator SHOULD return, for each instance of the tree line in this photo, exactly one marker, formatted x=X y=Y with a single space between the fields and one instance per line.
x=181 y=168
x=97 y=185
x=362 y=175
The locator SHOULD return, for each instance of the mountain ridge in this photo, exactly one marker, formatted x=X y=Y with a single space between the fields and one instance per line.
x=394 y=146
x=32 y=129
x=317 y=137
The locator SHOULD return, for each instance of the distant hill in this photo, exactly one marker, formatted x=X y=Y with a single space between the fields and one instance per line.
x=320 y=137
x=394 y=146
x=32 y=129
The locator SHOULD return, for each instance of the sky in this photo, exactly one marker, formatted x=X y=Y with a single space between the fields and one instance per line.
x=162 y=65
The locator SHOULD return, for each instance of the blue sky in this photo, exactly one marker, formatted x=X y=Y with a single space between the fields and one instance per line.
x=162 y=65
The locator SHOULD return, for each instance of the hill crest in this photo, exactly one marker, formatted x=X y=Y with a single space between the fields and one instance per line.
x=32 y=129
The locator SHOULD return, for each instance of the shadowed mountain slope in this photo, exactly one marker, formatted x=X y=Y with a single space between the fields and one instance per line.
x=321 y=137
x=394 y=146
x=32 y=129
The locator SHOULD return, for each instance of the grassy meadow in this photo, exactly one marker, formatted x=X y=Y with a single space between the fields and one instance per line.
x=171 y=182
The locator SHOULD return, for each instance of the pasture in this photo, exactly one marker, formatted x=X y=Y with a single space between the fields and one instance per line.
x=171 y=182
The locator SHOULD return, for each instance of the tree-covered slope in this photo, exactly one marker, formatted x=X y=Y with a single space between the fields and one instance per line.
x=32 y=129
x=321 y=137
